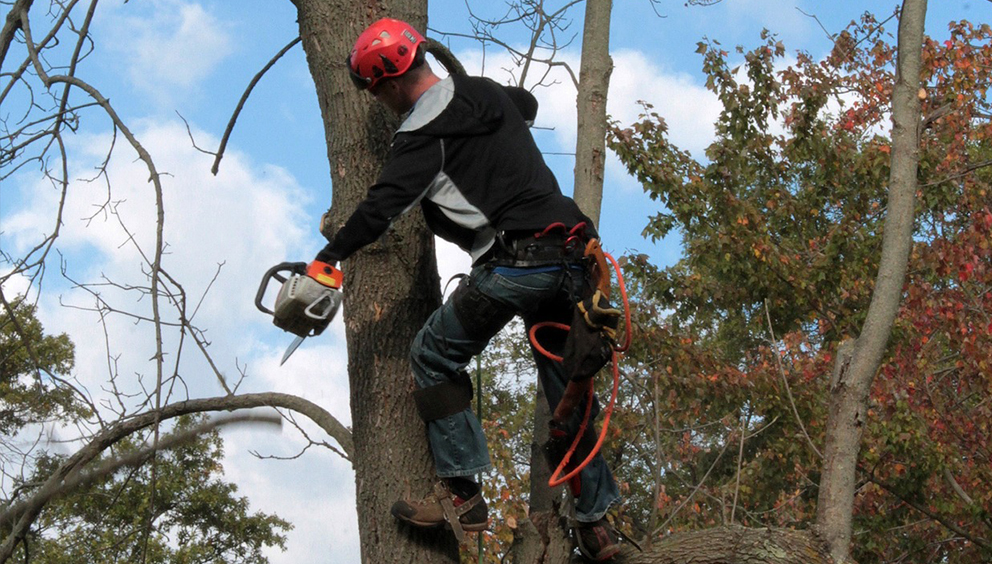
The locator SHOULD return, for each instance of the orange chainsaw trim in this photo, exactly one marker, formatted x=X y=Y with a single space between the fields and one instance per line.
x=556 y=478
x=325 y=273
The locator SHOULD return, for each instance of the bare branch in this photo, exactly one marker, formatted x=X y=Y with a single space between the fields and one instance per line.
x=18 y=12
x=140 y=457
x=17 y=519
x=544 y=28
x=740 y=461
x=241 y=103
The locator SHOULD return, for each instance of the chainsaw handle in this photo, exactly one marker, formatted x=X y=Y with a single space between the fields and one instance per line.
x=291 y=267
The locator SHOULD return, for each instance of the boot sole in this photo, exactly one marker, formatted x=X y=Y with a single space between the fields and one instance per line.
x=609 y=554
x=469 y=527
x=603 y=555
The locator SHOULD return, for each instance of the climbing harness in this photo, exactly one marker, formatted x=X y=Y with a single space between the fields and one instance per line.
x=595 y=315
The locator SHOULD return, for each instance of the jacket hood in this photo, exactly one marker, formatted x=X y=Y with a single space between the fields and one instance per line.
x=456 y=106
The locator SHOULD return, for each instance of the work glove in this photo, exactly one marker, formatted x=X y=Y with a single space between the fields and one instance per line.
x=327 y=255
x=326 y=228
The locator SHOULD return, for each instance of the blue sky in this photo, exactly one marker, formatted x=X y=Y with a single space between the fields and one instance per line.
x=157 y=60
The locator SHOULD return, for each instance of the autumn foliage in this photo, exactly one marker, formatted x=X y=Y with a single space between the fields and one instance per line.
x=781 y=223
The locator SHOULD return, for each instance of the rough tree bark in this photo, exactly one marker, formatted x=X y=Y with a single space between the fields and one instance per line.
x=733 y=545
x=594 y=83
x=390 y=289
x=849 y=392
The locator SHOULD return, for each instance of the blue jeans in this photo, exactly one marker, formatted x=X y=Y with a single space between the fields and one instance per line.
x=444 y=347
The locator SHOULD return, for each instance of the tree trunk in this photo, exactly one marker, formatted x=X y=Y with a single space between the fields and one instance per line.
x=849 y=391
x=594 y=83
x=542 y=540
x=540 y=537
x=733 y=545
x=390 y=289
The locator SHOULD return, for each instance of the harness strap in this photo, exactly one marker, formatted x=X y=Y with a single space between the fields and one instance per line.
x=451 y=515
x=553 y=246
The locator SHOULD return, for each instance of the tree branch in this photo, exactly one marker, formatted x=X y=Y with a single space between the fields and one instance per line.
x=12 y=23
x=18 y=519
x=241 y=103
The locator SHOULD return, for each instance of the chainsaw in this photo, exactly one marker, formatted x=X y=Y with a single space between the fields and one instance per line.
x=309 y=297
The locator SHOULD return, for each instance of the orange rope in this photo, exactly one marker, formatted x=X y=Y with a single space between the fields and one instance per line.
x=556 y=478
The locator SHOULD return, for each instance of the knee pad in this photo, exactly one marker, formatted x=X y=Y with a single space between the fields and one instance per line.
x=444 y=399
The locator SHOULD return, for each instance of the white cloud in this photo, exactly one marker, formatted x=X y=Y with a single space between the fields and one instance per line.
x=685 y=104
x=315 y=492
x=171 y=47
x=247 y=219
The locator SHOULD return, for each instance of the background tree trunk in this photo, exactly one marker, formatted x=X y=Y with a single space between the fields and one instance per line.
x=733 y=545
x=849 y=392
x=390 y=289
x=594 y=83
x=544 y=539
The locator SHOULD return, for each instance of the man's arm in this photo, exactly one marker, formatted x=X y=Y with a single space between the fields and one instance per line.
x=413 y=164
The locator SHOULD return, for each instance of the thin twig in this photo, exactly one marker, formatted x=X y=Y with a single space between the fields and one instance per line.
x=241 y=103
x=785 y=381
x=696 y=489
x=740 y=462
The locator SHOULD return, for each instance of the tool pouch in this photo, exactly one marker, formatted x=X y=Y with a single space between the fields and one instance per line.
x=589 y=344
x=480 y=315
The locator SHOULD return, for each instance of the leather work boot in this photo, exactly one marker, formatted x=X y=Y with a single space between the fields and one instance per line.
x=444 y=507
x=597 y=541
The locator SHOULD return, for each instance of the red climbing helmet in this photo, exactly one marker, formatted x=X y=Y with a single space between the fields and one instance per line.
x=386 y=48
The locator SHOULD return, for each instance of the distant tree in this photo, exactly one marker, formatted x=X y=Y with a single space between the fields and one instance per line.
x=782 y=222
x=32 y=366
x=855 y=373
x=594 y=85
x=197 y=516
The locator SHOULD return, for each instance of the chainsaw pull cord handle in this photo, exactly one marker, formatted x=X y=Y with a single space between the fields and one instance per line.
x=292 y=267
x=556 y=478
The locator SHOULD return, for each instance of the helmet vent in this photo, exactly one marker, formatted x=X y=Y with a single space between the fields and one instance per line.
x=388 y=65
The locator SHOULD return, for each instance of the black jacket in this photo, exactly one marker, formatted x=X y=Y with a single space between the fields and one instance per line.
x=466 y=155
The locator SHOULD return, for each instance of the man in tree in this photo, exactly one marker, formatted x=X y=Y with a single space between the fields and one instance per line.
x=465 y=154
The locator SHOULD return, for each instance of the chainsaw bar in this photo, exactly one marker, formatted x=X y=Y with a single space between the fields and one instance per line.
x=291 y=349
x=308 y=299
